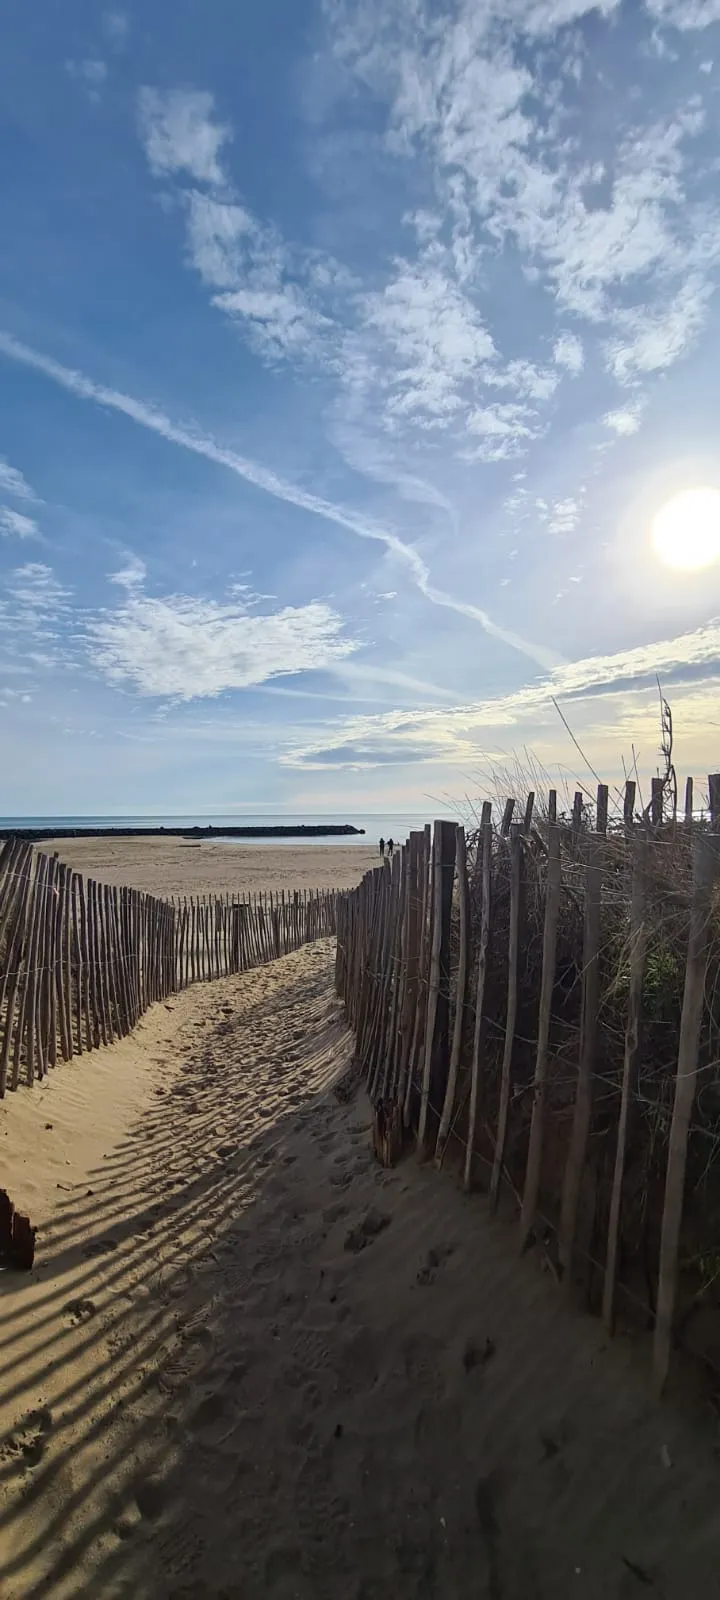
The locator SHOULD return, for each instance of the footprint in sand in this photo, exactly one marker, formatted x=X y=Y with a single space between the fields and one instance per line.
x=80 y=1310
x=25 y=1446
x=151 y=1497
x=373 y=1223
x=433 y=1262
x=99 y=1247
x=211 y=1410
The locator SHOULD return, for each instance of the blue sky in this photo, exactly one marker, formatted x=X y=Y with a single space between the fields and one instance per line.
x=346 y=353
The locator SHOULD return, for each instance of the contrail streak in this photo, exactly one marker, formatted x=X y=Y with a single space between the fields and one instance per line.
x=201 y=444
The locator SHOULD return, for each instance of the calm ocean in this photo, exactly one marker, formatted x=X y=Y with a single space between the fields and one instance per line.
x=385 y=825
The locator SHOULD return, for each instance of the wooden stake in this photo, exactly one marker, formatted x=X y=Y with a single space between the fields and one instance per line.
x=547 y=984
x=638 y=955
x=435 y=1067
x=460 y=994
x=511 y=1014
x=602 y=808
x=588 y=1044
x=706 y=866
x=486 y=847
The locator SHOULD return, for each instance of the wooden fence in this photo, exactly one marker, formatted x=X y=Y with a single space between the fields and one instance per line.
x=80 y=961
x=540 y=1001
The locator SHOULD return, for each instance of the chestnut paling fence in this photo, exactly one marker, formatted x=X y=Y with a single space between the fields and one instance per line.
x=540 y=1000
x=81 y=961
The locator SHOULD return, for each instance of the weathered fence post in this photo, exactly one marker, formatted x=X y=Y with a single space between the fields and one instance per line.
x=435 y=1066
x=485 y=882
x=463 y=933
x=547 y=983
x=511 y=1014
x=588 y=1044
x=714 y=794
x=706 y=865
x=638 y=954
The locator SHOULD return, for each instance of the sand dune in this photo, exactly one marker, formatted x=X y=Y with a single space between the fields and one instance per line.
x=252 y=1363
x=172 y=866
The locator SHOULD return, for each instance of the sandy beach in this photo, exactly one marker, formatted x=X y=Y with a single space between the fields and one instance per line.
x=174 y=867
x=250 y=1362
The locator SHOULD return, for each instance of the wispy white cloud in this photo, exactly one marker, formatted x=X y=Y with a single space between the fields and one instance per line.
x=14 y=524
x=568 y=353
x=269 y=482
x=13 y=483
x=90 y=73
x=116 y=27
x=563 y=516
x=685 y=14
x=186 y=648
x=652 y=341
x=180 y=133
x=255 y=279
x=624 y=420
x=35 y=609
x=460 y=733
x=503 y=430
x=435 y=338
x=623 y=243
x=131 y=576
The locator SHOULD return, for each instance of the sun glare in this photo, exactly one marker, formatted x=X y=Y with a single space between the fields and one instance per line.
x=686 y=530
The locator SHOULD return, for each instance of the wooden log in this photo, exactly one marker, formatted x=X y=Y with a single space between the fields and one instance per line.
x=436 y=1062
x=529 y=804
x=689 y=803
x=582 y=1112
x=511 y=1013
x=706 y=869
x=638 y=956
x=486 y=868
x=552 y=806
x=547 y=984
x=656 y=801
x=460 y=993
x=507 y=818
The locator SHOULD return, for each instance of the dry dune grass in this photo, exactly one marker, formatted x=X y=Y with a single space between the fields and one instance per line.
x=250 y=1362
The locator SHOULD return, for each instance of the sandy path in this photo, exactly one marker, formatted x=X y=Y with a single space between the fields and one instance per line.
x=171 y=866
x=258 y=1365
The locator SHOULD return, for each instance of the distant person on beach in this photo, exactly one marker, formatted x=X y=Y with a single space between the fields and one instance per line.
x=382 y=847
x=391 y=847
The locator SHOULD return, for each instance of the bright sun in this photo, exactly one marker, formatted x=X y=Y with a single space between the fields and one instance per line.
x=686 y=530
